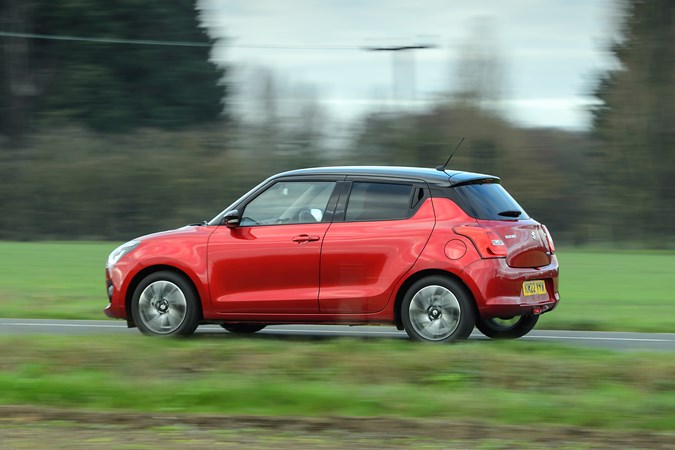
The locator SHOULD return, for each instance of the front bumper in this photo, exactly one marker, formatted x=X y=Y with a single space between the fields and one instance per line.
x=115 y=309
x=110 y=312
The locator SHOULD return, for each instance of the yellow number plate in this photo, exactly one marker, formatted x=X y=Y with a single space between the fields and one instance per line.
x=535 y=287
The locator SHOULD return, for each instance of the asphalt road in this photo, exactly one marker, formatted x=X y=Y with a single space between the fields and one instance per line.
x=608 y=340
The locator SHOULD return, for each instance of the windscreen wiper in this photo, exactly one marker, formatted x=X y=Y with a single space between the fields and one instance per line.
x=510 y=213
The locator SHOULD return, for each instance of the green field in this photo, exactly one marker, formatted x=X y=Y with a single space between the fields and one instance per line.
x=63 y=280
x=629 y=291
x=501 y=382
x=615 y=291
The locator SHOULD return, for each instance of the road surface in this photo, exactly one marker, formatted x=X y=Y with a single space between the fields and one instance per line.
x=608 y=340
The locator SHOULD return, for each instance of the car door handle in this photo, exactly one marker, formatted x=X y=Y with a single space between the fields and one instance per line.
x=305 y=238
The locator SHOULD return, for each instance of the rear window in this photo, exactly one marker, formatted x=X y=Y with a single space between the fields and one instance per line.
x=488 y=201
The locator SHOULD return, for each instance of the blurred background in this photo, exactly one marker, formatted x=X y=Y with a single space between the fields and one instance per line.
x=127 y=117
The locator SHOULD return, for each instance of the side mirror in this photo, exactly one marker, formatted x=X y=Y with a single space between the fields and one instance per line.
x=231 y=219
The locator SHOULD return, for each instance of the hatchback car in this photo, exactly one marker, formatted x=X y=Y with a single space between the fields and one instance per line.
x=434 y=252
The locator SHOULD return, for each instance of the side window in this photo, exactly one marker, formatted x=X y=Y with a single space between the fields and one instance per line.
x=378 y=201
x=288 y=202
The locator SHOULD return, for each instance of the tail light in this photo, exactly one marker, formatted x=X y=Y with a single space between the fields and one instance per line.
x=486 y=241
x=549 y=239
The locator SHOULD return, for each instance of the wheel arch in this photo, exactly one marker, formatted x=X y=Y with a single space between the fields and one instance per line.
x=136 y=280
x=418 y=276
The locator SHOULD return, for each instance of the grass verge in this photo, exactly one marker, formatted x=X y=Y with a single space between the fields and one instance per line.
x=509 y=383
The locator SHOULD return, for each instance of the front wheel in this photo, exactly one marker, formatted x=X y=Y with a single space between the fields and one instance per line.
x=508 y=328
x=165 y=304
x=437 y=309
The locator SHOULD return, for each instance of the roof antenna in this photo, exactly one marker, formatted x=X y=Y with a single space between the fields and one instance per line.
x=442 y=168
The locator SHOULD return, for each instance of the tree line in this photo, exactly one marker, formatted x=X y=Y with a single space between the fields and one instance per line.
x=109 y=141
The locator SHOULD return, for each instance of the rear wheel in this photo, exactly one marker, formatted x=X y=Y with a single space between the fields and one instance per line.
x=507 y=328
x=437 y=309
x=243 y=328
x=165 y=304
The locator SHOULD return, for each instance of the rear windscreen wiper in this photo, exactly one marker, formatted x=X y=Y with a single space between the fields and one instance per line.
x=513 y=213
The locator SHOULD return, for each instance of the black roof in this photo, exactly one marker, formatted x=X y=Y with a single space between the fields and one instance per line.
x=431 y=176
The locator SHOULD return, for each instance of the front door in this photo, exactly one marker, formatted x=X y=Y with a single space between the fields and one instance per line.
x=270 y=262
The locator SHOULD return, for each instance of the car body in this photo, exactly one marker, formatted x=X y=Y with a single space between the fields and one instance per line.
x=435 y=252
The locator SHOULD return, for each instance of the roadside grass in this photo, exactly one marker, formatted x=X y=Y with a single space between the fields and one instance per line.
x=519 y=383
x=600 y=290
x=615 y=291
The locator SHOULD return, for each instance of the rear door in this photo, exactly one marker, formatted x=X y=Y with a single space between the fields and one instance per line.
x=380 y=229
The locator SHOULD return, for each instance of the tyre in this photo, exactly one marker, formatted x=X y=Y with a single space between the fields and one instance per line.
x=243 y=328
x=437 y=309
x=511 y=328
x=165 y=304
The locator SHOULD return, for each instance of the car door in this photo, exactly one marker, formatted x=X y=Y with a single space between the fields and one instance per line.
x=269 y=264
x=379 y=231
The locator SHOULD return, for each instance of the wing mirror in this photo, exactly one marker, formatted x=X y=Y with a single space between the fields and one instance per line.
x=231 y=219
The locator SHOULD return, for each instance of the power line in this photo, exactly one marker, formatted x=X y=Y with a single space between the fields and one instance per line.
x=297 y=47
x=58 y=37
x=54 y=37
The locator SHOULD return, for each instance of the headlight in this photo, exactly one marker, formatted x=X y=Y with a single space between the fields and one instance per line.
x=120 y=251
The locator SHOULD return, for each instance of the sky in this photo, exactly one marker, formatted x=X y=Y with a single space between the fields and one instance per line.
x=549 y=51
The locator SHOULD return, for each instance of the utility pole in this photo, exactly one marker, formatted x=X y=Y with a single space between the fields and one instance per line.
x=403 y=69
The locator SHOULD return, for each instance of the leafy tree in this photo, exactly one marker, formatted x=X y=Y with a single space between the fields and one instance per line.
x=16 y=83
x=634 y=127
x=119 y=86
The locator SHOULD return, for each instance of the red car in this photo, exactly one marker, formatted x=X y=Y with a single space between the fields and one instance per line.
x=435 y=252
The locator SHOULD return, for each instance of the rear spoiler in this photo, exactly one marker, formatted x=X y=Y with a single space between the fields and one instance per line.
x=463 y=178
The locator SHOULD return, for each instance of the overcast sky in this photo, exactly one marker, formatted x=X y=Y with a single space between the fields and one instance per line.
x=550 y=50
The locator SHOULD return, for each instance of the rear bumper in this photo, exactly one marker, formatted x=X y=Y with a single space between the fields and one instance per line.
x=498 y=288
x=501 y=307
